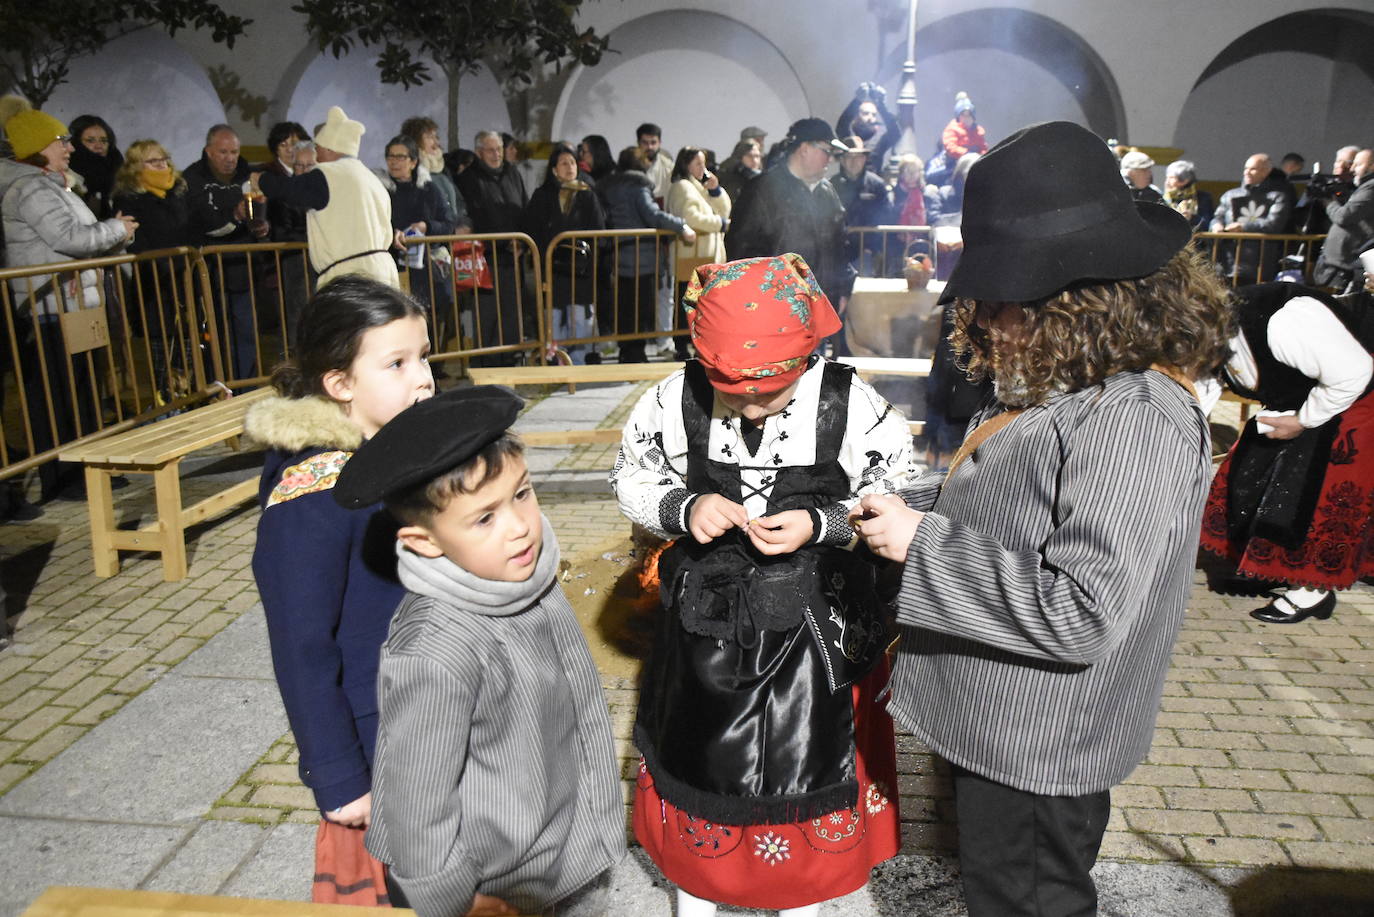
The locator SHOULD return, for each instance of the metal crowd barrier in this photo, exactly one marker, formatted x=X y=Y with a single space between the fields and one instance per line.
x=600 y=289
x=94 y=346
x=1255 y=257
x=881 y=251
x=255 y=292
x=487 y=317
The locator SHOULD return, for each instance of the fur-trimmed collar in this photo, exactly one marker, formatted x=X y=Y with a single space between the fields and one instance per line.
x=292 y=424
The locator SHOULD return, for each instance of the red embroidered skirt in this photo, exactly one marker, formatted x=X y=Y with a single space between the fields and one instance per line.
x=793 y=865
x=1339 y=548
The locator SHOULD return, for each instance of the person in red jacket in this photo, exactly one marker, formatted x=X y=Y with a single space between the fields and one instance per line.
x=963 y=134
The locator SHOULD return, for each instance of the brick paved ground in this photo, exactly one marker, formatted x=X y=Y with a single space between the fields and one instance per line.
x=1264 y=752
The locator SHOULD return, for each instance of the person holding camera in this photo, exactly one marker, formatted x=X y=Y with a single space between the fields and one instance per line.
x=867 y=117
x=1352 y=227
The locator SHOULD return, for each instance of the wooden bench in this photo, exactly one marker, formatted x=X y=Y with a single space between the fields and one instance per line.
x=645 y=372
x=157 y=449
x=69 y=901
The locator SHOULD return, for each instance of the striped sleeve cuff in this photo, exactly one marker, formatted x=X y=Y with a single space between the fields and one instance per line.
x=673 y=510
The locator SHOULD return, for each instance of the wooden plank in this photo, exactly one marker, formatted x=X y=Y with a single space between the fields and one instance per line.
x=217 y=503
x=66 y=901
x=148 y=538
x=100 y=507
x=647 y=372
x=569 y=437
x=561 y=375
x=887 y=366
x=167 y=488
x=188 y=431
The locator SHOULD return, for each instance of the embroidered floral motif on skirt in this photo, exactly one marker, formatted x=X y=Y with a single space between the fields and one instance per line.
x=792 y=865
x=1339 y=548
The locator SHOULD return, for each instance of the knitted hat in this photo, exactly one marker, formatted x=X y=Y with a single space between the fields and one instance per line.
x=30 y=132
x=1136 y=160
x=339 y=133
x=962 y=103
x=755 y=322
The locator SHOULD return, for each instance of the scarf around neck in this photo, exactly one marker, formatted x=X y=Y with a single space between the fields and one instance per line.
x=434 y=162
x=157 y=181
x=442 y=579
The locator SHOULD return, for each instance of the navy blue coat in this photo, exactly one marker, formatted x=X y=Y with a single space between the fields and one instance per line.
x=327 y=578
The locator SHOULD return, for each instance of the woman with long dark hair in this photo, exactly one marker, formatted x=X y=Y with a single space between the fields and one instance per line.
x=630 y=205
x=97 y=159
x=566 y=203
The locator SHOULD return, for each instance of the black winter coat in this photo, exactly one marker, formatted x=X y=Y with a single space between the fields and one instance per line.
x=777 y=214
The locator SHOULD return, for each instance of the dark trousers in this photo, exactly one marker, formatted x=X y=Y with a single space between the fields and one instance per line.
x=630 y=308
x=498 y=313
x=1025 y=854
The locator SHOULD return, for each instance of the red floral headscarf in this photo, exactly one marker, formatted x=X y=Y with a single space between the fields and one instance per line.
x=755 y=322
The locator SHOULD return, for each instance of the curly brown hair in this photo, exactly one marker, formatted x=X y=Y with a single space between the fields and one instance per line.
x=1180 y=317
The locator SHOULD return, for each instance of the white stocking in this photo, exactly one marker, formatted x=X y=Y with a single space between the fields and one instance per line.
x=1304 y=598
x=691 y=906
x=811 y=910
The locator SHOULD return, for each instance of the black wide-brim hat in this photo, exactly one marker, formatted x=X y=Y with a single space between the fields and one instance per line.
x=1046 y=209
x=427 y=439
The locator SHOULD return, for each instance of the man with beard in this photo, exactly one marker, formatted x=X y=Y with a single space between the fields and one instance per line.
x=867 y=117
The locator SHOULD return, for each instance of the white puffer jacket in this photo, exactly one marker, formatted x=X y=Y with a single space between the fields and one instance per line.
x=46 y=224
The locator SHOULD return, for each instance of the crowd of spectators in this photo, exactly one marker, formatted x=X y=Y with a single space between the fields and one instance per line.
x=807 y=193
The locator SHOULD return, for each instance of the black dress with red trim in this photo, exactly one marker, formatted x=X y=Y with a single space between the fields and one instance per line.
x=1298 y=511
x=769 y=771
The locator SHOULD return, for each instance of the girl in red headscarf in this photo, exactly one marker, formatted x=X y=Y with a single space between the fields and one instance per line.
x=768 y=777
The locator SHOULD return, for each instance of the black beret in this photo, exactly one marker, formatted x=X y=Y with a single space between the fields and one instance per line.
x=426 y=440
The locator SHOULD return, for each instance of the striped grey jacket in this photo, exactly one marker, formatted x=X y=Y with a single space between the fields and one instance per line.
x=495 y=770
x=1042 y=594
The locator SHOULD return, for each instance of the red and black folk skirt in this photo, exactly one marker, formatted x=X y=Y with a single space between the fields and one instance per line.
x=776 y=866
x=1339 y=547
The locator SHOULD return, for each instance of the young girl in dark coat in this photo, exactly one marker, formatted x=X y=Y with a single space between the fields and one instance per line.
x=327 y=575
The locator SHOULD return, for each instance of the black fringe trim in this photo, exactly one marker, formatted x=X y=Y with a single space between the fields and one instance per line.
x=744 y=810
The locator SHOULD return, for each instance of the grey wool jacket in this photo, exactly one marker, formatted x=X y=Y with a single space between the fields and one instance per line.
x=495 y=770
x=1044 y=589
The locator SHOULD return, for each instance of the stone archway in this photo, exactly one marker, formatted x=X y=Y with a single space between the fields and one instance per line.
x=1017 y=66
x=146 y=86
x=1303 y=82
x=317 y=80
x=701 y=76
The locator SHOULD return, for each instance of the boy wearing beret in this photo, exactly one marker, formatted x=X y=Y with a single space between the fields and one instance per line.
x=496 y=788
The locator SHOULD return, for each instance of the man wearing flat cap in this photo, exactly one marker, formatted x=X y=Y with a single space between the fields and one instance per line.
x=348 y=212
x=1044 y=577
x=794 y=208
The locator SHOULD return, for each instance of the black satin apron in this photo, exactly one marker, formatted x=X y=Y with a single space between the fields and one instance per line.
x=745 y=713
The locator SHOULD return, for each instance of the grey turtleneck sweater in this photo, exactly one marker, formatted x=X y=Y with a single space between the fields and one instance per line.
x=495 y=769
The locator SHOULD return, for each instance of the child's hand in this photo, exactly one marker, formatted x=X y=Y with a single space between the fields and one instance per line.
x=886 y=525
x=713 y=516
x=489 y=906
x=357 y=814
x=781 y=533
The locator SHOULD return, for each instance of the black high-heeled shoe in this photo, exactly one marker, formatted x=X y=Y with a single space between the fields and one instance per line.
x=1275 y=613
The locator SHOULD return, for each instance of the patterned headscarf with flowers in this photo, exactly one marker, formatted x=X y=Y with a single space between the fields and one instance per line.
x=755 y=322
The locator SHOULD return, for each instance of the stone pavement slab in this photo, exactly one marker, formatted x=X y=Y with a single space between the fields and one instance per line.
x=38 y=852
x=159 y=759
x=210 y=856
x=283 y=867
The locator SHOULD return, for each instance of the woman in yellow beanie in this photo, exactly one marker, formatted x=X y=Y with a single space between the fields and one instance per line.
x=44 y=222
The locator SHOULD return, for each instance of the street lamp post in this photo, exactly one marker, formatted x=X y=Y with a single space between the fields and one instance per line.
x=906 y=98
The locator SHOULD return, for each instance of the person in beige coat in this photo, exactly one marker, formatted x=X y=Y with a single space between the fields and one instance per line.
x=696 y=196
